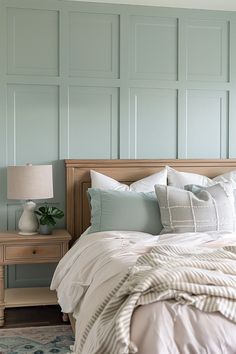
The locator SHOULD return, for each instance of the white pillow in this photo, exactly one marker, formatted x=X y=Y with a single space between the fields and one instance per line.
x=98 y=180
x=227 y=177
x=180 y=179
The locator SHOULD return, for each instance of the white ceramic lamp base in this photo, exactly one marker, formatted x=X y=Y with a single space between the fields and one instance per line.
x=28 y=223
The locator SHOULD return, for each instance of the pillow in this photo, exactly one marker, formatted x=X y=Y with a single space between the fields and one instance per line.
x=98 y=180
x=181 y=179
x=127 y=211
x=227 y=177
x=199 y=209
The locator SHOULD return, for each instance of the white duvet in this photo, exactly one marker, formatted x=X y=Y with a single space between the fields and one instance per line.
x=88 y=271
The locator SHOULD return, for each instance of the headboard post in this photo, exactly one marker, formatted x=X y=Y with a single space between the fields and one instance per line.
x=126 y=171
x=70 y=200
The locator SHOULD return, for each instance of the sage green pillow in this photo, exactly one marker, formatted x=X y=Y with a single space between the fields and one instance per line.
x=124 y=210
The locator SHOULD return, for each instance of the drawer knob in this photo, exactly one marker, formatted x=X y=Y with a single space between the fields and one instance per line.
x=34 y=252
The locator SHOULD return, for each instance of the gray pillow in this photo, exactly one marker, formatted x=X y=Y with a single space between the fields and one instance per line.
x=124 y=210
x=198 y=209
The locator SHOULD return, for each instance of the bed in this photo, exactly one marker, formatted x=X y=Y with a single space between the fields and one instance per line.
x=155 y=326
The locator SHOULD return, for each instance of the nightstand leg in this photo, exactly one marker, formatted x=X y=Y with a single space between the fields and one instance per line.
x=65 y=317
x=2 y=304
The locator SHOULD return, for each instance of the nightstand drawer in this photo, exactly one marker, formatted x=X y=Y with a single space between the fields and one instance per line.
x=32 y=252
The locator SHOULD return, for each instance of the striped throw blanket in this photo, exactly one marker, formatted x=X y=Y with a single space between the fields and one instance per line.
x=204 y=278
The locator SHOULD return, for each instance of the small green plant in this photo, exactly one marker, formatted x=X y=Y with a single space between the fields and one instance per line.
x=47 y=215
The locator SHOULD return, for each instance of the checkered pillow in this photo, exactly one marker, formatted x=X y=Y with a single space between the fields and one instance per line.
x=199 y=209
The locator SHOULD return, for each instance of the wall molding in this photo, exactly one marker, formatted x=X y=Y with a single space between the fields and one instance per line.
x=105 y=83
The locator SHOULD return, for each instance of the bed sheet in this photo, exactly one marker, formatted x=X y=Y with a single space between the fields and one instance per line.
x=88 y=271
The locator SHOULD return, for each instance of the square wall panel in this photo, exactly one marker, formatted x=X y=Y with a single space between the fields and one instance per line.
x=32 y=124
x=32 y=37
x=207 y=50
x=207 y=124
x=153 y=123
x=93 y=45
x=154 y=48
x=93 y=122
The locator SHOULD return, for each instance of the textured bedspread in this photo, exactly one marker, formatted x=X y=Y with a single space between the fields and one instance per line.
x=120 y=271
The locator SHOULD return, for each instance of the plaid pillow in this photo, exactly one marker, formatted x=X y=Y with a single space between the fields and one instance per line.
x=198 y=209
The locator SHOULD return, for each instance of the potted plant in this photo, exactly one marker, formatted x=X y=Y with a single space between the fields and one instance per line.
x=47 y=215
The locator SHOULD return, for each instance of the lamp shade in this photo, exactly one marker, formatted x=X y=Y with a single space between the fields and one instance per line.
x=29 y=182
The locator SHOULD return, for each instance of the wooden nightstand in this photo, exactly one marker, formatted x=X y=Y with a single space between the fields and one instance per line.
x=18 y=249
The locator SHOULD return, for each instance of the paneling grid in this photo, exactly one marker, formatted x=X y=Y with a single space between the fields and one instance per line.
x=153 y=108
x=93 y=45
x=154 y=48
x=207 y=120
x=32 y=36
x=87 y=80
x=207 y=50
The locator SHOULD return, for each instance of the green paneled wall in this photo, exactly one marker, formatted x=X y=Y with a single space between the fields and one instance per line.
x=87 y=80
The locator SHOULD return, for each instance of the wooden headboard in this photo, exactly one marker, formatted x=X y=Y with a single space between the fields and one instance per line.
x=126 y=171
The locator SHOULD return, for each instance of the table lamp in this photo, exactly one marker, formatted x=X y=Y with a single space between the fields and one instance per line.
x=28 y=183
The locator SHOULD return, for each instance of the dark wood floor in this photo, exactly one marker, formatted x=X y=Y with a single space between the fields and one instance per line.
x=33 y=316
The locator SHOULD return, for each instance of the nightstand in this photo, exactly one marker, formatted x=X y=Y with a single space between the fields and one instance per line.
x=18 y=249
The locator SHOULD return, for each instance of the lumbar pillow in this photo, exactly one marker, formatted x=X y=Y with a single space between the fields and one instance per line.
x=98 y=180
x=198 y=209
x=122 y=210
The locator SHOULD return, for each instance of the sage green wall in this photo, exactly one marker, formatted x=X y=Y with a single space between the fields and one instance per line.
x=87 y=80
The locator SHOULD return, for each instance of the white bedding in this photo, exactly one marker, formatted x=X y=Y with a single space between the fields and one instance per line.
x=96 y=261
